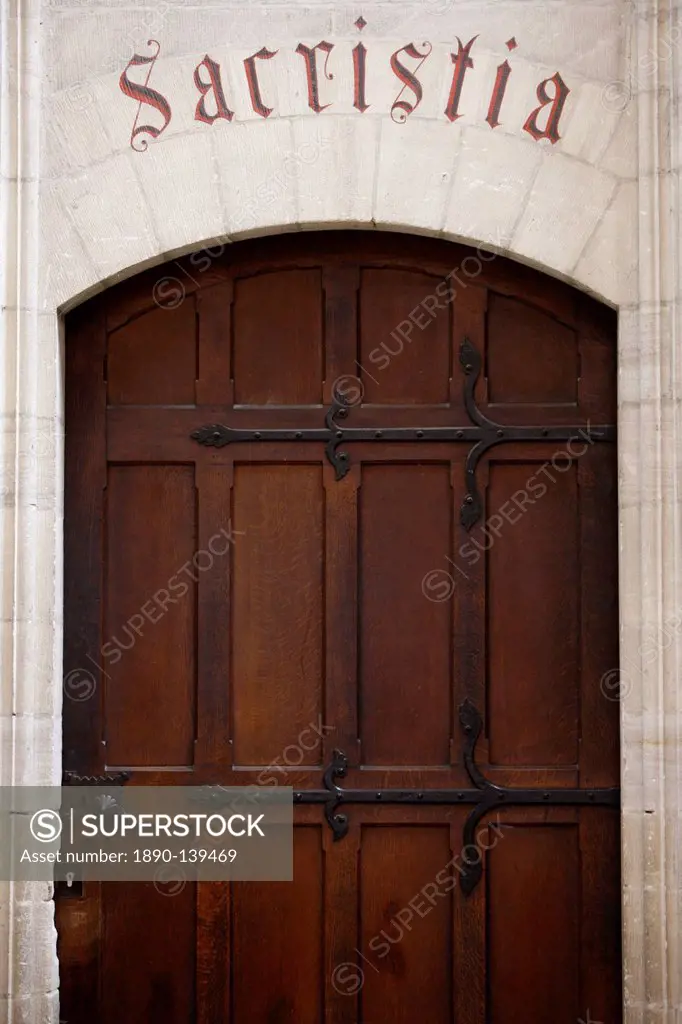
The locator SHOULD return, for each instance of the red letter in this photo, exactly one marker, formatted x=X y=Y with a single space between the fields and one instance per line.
x=144 y=94
x=462 y=62
x=252 y=79
x=503 y=73
x=409 y=81
x=551 y=131
x=222 y=109
x=359 y=58
x=311 y=72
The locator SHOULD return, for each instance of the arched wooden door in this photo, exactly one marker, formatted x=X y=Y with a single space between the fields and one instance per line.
x=417 y=544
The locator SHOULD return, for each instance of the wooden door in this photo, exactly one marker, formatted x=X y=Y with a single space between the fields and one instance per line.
x=407 y=456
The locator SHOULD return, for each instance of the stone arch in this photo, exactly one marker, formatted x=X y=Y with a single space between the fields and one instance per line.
x=109 y=211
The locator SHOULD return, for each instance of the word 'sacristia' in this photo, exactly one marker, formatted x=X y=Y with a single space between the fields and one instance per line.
x=213 y=105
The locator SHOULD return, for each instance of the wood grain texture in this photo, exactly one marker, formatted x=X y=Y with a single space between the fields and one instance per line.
x=310 y=628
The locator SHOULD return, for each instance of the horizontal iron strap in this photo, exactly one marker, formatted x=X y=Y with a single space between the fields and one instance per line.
x=217 y=435
x=491 y=796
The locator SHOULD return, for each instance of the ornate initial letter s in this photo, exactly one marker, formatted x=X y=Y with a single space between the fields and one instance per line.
x=551 y=130
x=143 y=94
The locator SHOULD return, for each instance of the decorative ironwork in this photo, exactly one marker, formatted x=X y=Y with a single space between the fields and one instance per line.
x=485 y=796
x=74 y=779
x=491 y=434
x=215 y=435
x=485 y=434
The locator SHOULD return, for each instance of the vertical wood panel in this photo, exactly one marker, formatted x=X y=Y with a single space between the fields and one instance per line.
x=600 y=954
x=533 y=608
x=153 y=359
x=84 y=484
x=470 y=934
x=405 y=533
x=215 y=546
x=214 y=997
x=532 y=358
x=278 y=610
x=148 y=952
x=278 y=340
x=214 y=312
x=342 y=938
x=341 y=285
x=533 y=909
x=341 y=595
x=404 y=346
x=409 y=946
x=599 y=657
x=278 y=941
x=150 y=615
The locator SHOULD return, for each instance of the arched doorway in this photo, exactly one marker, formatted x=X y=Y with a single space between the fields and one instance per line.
x=420 y=575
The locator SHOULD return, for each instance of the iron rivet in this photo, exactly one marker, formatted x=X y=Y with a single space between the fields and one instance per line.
x=460 y=796
x=500 y=796
x=545 y=433
x=297 y=796
x=257 y=435
x=420 y=433
x=298 y=434
x=545 y=796
x=460 y=433
x=468 y=367
x=339 y=433
x=420 y=796
x=591 y=796
x=378 y=796
x=378 y=433
x=216 y=435
x=468 y=499
x=500 y=433
x=343 y=456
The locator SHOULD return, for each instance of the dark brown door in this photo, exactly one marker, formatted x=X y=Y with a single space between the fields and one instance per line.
x=416 y=543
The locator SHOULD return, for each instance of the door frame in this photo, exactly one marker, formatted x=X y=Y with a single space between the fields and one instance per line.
x=644 y=588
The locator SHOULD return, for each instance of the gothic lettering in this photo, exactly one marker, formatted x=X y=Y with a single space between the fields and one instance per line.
x=359 y=62
x=503 y=73
x=309 y=55
x=252 y=79
x=214 y=83
x=143 y=94
x=410 y=81
x=462 y=62
x=551 y=129
x=405 y=63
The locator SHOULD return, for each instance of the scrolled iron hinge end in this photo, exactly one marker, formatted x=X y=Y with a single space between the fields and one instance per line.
x=469 y=358
x=339 y=825
x=339 y=460
x=470 y=718
x=470 y=877
x=342 y=466
x=470 y=512
x=339 y=764
x=213 y=435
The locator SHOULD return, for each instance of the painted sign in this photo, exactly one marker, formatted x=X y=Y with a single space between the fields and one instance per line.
x=212 y=104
